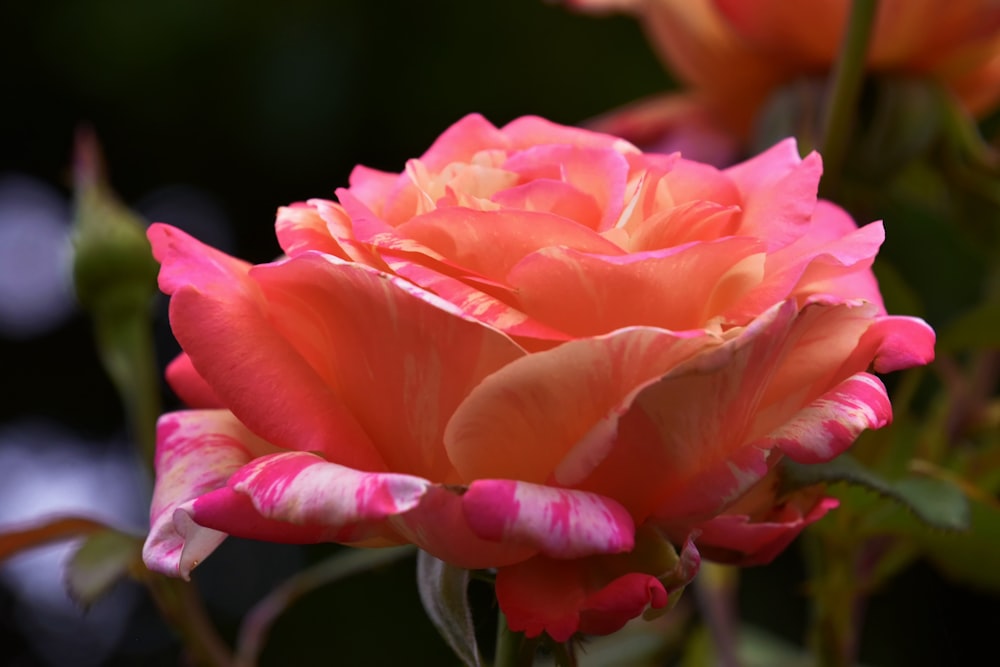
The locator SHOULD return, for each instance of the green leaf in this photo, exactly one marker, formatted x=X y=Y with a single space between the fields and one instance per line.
x=443 y=591
x=100 y=562
x=937 y=503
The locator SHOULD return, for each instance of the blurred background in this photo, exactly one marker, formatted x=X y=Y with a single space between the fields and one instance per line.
x=212 y=113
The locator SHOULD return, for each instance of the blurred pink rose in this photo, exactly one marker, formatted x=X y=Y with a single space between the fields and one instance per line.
x=733 y=54
x=537 y=349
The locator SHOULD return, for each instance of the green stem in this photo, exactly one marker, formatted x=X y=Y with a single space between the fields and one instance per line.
x=125 y=342
x=181 y=606
x=716 y=588
x=513 y=648
x=836 y=598
x=845 y=89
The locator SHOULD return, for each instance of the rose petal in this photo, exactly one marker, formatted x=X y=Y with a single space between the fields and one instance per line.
x=222 y=321
x=596 y=594
x=505 y=427
x=832 y=423
x=439 y=525
x=739 y=540
x=400 y=358
x=300 y=228
x=601 y=173
x=196 y=452
x=560 y=523
x=297 y=497
x=677 y=288
x=489 y=243
x=778 y=189
x=528 y=131
x=189 y=386
x=683 y=444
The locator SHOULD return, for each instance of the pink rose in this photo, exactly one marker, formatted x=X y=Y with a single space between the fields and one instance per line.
x=537 y=350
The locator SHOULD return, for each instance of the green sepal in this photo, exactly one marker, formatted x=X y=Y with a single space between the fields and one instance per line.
x=444 y=594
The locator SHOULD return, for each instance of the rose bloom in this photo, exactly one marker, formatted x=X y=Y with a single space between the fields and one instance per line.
x=733 y=54
x=537 y=349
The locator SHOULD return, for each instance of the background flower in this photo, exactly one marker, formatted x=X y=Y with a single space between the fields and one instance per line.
x=733 y=55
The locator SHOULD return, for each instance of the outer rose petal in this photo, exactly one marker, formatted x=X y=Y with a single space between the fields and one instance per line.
x=739 y=540
x=196 y=452
x=220 y=318
x=439 y=525
x=594 y=595
x=832 y=423
x=400 y=358
x=543 y=595
x=189 y=386
x=302 y=498
x=561 y=523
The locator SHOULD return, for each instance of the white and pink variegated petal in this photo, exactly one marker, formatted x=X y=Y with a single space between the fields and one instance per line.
x=829 y=425
x=439 y=526
x=233 y=513
x=196 y=453
x=560 y=523
x=302 y=488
